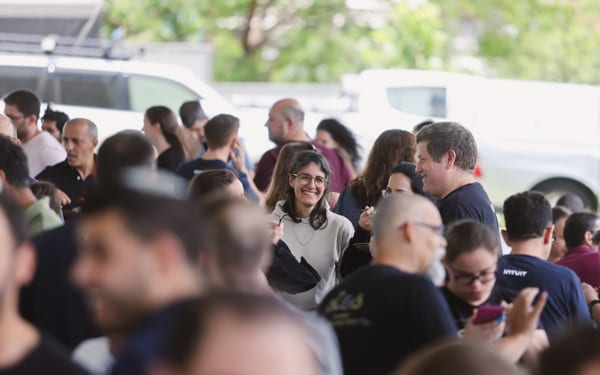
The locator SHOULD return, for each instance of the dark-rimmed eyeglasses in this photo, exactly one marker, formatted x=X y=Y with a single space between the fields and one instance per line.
x=465 y=278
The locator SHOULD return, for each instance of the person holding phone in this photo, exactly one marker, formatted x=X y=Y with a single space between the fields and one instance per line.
x=476 y=304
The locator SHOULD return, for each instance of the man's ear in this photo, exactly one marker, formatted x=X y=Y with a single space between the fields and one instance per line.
x=548 y=234
x=450 y=158
x=25 y=263
x=2 y=178
x=169 y=251
x=504 y=234
x=587 y=239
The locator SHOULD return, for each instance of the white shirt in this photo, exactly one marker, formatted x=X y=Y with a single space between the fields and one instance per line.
x=42 y=151
x=322 y=248
x=94 y=356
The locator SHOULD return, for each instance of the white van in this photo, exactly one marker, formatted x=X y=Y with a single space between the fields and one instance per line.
x=532 y=135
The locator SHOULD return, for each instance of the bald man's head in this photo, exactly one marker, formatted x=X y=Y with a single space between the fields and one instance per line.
x=408 y=232
x=398 y=208
x=6 y=127
x=286 y=118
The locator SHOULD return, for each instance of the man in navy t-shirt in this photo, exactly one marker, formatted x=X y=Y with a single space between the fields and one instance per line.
x=221 y=135
x=388 y=310
x=528 y=230
x=446 y=158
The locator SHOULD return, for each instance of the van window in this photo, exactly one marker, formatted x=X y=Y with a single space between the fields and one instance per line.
x=146 y=91
x=13 y=78
x=88 y=89
x=422 y=101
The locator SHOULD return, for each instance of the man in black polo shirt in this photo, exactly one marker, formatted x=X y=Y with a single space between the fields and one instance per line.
x=74 y=175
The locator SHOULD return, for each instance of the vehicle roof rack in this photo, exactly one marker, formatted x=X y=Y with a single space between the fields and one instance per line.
x=64 y=46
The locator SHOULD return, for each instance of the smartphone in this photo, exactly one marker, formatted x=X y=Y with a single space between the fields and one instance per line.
x=488 y=313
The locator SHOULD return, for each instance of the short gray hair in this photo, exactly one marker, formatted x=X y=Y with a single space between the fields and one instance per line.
x=92 y=128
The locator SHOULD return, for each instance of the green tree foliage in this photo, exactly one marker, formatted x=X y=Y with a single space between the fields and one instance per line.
x=555 y=40
x=318 y=40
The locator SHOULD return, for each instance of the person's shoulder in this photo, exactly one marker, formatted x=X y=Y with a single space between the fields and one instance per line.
x=186 y=168
x=339 y=220
x=271 y=154
x=48 y=140
x=53 y=170
x=50 y=358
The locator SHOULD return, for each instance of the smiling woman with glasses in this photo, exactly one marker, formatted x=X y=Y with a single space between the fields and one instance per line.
x=310 y=230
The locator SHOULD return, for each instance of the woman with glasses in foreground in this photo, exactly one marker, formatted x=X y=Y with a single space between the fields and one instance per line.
x=477 y=307
x=311 y=231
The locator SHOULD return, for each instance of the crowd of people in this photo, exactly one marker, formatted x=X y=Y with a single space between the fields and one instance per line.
x=167 y=251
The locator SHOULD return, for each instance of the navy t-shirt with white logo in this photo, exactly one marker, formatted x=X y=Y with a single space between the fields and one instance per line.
x=565 y=296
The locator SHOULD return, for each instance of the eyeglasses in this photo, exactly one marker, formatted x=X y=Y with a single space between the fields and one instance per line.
x=437 y=229
x=466 y=279
x=306 y=179
x=387 y=191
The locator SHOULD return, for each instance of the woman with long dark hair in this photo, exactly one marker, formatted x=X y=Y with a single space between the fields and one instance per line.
x=390 y=149
x=334 y=135
x=311 y=231
x=163 y=130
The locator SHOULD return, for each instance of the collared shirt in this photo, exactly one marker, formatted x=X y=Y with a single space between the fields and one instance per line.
x=68 y=179
x=585 y=262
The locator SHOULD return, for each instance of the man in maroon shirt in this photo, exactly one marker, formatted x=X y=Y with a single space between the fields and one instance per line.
x=581 y=256
x=286 y=124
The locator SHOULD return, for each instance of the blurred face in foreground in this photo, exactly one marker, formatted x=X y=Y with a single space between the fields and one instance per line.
x=269 y=346
x=112 y=268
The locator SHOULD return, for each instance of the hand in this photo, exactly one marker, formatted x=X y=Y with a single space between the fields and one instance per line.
x=490 y=331
x=366 y=218
x=238 y=157
x=276 y=231
x=523 y=318
x=589 y=292
x=63 y=198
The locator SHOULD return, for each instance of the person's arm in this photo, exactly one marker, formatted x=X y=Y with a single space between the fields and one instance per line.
x=591 y=297
x=238 y=158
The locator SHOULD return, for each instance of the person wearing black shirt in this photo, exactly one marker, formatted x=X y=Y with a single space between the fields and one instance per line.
x=446 y=158
x=172 y=143
x=74 y=176
x=388 y=310
x=24 y=349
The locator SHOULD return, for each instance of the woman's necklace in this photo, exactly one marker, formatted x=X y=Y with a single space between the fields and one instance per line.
x=303 y=244
x=293 y=225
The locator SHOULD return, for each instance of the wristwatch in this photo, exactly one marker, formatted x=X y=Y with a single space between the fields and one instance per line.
x=593 y=302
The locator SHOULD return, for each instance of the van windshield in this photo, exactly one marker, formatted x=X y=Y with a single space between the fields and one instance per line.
x=422 y=101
